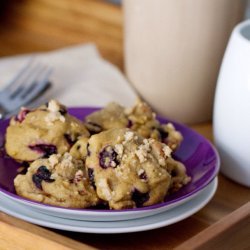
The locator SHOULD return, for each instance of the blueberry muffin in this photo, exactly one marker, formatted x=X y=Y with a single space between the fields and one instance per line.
x=112 y=116
x=139 y=118
x=58 y=180
x=143 y=120
x=128 y=170
x=47 y=130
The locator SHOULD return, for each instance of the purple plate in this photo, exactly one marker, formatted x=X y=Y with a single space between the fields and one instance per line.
x=197 y=153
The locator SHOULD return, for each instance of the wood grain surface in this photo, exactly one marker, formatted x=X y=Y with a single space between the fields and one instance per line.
x=232 y=231
x=42 y=25
x=17 y=234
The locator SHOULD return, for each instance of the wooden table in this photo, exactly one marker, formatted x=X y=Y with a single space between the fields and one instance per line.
x=42 y=25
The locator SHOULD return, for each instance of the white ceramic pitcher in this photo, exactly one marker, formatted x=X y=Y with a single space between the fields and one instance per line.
x=231 y=119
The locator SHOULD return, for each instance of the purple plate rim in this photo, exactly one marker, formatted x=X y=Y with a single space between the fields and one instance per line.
x=151 y=207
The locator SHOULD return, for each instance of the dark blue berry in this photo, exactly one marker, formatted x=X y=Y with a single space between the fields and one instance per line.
x=108 y=158
x=46 y=149
x=37 y=181
x=42 y=174
x=143 y=176
x=139 y=198
x=174 y=173
x=163 y=134
x=69 y=139
x=63 y=110
x=130 y=124
x=91 y=177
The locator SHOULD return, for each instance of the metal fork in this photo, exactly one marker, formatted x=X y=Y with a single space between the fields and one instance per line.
x=30 y=82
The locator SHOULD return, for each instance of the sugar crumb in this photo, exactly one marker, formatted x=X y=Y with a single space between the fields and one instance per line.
x=128 y=136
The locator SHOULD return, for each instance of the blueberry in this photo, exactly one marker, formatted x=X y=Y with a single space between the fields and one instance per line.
x=143 y=176
x=108 y=158
x=139 y=198
x=63 y=110
x=163 y=134
x=69 y=139
x=42 y=174
x=130 y=124
x=91 y=177
x=46 y=149
x=174 y=173
x=37 y=181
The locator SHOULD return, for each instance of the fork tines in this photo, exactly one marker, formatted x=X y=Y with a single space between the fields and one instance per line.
x=30 y=82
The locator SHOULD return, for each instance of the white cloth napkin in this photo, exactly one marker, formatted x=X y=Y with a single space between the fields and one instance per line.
x=80 y=77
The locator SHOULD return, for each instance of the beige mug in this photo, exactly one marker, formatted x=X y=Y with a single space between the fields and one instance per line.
x=173 y=51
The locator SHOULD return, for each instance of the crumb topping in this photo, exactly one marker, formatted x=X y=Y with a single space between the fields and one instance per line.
x=53 y=106
x=54 y=113
x=54 y=116
x=67 y=160
x=66 y=166
x=119 y=149
x=54 y=160
x=167 y=150
x=113 y=164
x=143 y=150
x=78 y=176
x=128 y=136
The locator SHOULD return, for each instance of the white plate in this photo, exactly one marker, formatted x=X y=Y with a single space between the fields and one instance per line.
x=99 y=215
x=151 y=222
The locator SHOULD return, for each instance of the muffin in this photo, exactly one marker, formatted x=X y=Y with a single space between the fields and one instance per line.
x=47 y=130
x=59 y=180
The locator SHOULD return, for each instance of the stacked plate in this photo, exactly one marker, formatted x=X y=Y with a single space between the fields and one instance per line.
x=198 y=155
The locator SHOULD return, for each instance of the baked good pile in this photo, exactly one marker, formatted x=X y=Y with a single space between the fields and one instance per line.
x=118 y=157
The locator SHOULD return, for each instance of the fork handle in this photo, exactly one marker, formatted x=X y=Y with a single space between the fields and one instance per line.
x=2 y=113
